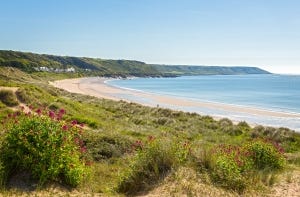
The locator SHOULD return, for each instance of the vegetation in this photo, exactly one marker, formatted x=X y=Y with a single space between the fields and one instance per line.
x=50 y=149
x=30 y=62
x=208 y=70
x=133 y=149
x=150 y=163
x=233 y=167
x=8 y=98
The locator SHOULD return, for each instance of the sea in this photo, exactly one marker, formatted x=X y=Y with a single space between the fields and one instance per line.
x=270 y=92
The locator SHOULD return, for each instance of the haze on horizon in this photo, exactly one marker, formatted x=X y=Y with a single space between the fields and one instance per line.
x=258 y=33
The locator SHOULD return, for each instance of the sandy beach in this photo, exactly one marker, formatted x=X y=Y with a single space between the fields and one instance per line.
x=97 y=87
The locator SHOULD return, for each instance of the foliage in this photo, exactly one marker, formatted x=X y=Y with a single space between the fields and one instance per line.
x=102 y=147
x=151 y=162
x=110 y=68
x=8 y=98
x=50 y=149
x=231 y=165
x=265 y=154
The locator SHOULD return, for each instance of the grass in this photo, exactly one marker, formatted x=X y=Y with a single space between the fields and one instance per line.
x=112 y=128
x=8 y=98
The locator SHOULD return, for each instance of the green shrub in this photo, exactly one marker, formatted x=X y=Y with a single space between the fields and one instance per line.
x=227 y=173
x=8 y=98
x=22 y=95
x=265 y=155
x=228 y=164
x=232 y=166
x=52 y=150
x=151 y=162
x=106 y=146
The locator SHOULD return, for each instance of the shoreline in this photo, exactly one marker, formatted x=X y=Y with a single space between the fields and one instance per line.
x=98 y=87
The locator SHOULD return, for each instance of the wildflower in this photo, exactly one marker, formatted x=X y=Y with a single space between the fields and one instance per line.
x=137 y=145
x=62 y=111
x=22 y=108
x=81 y=125
x=65 y=127
x=51 y=114
x=39 y=111
x=74 y=122
x=81 y=143
x=83 y=149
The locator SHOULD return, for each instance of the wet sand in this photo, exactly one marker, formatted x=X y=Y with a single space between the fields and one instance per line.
x=97 y=87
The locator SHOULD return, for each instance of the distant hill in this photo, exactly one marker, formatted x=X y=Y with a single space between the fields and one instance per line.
x=31 y=62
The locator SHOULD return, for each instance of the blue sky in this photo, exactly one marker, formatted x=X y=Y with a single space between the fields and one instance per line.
x=264 y=33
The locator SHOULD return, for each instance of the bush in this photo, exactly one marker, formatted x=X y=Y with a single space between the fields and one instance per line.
x=8 y=98
x=231 y=166
x=22 y=95
x=227 y=173
x=151 y=162
x=105 y=146
x=50 y=149
x=265 y=155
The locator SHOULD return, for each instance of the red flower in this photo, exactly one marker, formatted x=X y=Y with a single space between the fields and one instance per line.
x=62 y=111
x=65 y=127
x=81 y=143
x=51 y=114
x=74 y=122
x=39 y=111
x=81 y=124
x=83 y=149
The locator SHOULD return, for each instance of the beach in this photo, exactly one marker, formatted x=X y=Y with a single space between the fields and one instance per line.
x=96 y=86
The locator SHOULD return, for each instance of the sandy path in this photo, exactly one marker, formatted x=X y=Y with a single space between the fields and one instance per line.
x=98 y=88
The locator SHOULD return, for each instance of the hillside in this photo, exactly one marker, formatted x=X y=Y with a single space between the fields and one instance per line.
x=208 y=70
x=31 y=62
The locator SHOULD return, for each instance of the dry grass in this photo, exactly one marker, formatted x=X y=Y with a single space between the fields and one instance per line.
x=187 y=182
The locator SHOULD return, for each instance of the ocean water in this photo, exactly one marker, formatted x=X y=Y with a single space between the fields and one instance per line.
x=270 y=92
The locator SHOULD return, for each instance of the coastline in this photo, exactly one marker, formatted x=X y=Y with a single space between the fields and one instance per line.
x=96 y=86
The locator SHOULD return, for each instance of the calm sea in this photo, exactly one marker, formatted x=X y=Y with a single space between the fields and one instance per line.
x=270 y=92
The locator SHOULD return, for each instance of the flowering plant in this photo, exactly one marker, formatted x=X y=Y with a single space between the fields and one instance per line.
x=42 y=143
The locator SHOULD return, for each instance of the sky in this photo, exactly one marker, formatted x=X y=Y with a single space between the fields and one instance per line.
x=263 y=33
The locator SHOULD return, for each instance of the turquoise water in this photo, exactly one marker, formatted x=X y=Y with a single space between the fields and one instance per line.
x=270 y=92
